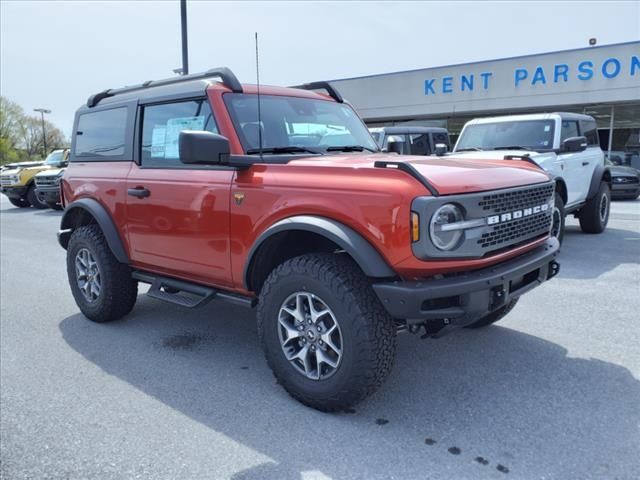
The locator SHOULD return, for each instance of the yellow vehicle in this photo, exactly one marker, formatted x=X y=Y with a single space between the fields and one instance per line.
x=17 y=180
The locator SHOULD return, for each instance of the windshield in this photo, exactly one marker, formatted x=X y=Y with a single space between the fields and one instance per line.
x=529 y=134
x=292 y=124
x=55 y=158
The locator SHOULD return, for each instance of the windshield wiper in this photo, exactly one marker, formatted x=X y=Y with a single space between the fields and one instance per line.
x=511 y=147
x=350 y=148
x=469 y=149
x=276 y=150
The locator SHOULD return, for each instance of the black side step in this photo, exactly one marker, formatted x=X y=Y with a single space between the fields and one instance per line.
x=186 y=294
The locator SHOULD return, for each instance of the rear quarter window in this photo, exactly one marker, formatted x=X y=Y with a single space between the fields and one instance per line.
x=101 y=135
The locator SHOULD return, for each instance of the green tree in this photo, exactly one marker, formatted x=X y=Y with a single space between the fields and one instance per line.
x=21 y=135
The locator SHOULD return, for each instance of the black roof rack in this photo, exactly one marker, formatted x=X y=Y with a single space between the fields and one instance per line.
x=333 y=93
x=223 y=73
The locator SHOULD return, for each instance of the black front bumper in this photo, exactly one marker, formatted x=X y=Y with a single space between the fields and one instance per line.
x=48 y=195
x=624 y=189
x=15 y=192
x=464 y=298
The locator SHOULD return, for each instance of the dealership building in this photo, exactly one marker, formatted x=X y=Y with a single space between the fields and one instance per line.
x=601 y=81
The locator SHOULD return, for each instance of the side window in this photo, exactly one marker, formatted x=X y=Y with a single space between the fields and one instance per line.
x=590 y=130
x=161 y=127
x=101 y=133
x=569 y=129
x=419 y=144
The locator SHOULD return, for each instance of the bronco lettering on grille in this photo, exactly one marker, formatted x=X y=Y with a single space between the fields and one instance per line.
x=526 y=212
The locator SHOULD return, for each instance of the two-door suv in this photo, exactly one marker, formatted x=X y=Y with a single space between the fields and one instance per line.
x=279 y=198
x=565 y=144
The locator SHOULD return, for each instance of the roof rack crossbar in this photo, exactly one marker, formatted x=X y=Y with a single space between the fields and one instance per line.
x=333 y=93
x=223 y=73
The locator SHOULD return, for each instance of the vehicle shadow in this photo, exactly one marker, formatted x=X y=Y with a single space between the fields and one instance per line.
x=604 y=251
x=495 y=393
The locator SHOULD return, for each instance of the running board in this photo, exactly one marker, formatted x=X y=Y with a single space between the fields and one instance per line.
x=186 y=294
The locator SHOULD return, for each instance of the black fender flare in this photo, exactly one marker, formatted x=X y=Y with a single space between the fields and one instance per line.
x=561 y=184
x=600 y=173
x=364 y=254
x=102 y=218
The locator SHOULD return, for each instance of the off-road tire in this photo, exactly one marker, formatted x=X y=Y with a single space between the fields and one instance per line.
x=367 y=330
x=34 y=200
x=559 y=207
x=20 y=202
x=118 y=292
x=493 y=317
x=54 y=206
x=591 y=220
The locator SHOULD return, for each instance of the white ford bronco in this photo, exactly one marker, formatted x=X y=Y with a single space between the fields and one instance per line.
x=564 y=144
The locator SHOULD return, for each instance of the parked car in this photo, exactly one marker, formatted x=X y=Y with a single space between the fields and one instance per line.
x=186 y=185
x=48 y=184
x=17 y=182
x=410 y=140
x=625 y=182
x=564 y=144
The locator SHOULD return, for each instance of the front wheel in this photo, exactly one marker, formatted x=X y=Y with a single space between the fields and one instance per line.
x=594 y=216
x=34 y=200
x=102 y=287
x=19 y=202
x=557 y=227
x=326 y=336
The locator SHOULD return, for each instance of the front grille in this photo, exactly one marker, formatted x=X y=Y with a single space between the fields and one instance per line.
x=516 y=199
x=46 y=181
x=626 y=180
x=516 y=231
x=5 y=182
x=496 y=221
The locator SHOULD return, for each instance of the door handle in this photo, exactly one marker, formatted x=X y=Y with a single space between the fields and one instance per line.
x=139 y=192
x=584 y=164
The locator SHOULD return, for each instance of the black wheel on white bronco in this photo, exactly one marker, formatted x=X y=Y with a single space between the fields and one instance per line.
x=594 y=216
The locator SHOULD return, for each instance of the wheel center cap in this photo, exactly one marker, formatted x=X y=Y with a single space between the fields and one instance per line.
x=311 y=335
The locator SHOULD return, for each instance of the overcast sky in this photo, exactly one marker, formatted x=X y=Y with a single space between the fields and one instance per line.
x=55 y=54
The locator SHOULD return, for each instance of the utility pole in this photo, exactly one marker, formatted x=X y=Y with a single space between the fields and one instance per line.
x=183 y=24
x=44 y=133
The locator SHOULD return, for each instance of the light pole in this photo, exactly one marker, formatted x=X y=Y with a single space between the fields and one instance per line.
x=183 y=28
x=44 y=133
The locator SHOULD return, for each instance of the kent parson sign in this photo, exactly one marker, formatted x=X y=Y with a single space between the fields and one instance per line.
x=583 y=71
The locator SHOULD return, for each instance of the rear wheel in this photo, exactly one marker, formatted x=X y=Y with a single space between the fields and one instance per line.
x=594 y=216
x=20 y=202
x=327 y=338
x=102 y=287
x=34 y=200
x=493 y=317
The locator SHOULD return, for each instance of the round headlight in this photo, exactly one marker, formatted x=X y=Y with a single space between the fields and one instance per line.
x=441 y=237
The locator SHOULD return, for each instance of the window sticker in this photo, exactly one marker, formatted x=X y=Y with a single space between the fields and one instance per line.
x=547 y=128
x=157 y=141
x=173 y=129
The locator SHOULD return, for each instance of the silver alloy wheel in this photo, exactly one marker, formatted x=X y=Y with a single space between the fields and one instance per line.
x=310 y=335
x=88 y=275
x=604 y=208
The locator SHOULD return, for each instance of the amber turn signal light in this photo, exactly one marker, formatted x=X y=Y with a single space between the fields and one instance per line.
x=415 y=227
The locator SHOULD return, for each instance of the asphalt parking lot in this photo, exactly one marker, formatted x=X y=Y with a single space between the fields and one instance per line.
x=551 y=392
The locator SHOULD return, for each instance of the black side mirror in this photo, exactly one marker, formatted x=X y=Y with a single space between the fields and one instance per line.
x=441 y=149
x=203 y=147
x=395 y=147
x=574 y=144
